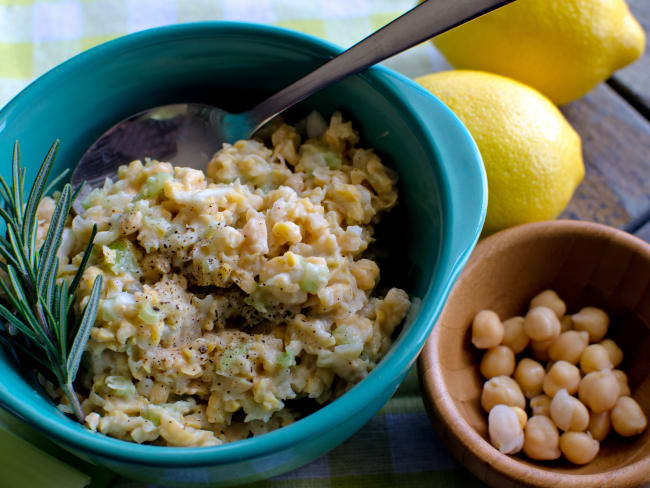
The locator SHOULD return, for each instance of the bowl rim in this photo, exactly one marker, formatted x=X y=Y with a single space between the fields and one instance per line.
x=442 y=409
x=396 y=361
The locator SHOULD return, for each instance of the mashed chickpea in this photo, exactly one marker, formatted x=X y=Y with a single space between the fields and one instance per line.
x=230 y=293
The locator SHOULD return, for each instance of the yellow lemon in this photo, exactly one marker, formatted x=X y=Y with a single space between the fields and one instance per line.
x=563 y=48
x=532 y=156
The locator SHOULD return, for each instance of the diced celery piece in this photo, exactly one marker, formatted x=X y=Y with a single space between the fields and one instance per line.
x=113 y=309
x=125 y=261
x=333 y=160
x=121 y=386
x=153 y=186
x=286 y=360
x=92 y=199
x=148 y=315
x=230 y=354
x=152 y=415
x=256 y=300
x=346 y=335
x=321 y=156
x=314 y=276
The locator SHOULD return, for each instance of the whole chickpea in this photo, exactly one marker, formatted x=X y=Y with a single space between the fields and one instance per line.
x=541 y=324
x=541 y=439
x=595 y=358
x=566 y=323
x=539 y=349
x=521 y=416
x=621 y=377
x=593 y=320
x=506 y=433
x=599 y=425
x=578 y=447
x=627 y=417
x=487 y=330
x=550 y=299
x=615 y=352
x=514 y=336
x=569 y=346
x=497 y=361
x=541 y=405
x=568 y=412
x=562 y=375
x=529 y=374
x=502 y=390
x=599 y=390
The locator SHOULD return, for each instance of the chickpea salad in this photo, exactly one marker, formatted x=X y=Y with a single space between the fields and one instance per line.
x=232 y=295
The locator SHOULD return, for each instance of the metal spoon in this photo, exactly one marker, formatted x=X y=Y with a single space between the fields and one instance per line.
x=190 y=134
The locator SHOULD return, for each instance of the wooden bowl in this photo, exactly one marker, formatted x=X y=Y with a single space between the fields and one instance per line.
x=587 y=264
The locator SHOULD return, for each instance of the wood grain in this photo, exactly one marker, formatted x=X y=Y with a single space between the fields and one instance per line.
x=634 y=80
x=616 y=149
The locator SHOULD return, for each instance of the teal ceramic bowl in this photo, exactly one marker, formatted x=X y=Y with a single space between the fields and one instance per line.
x=443 y=196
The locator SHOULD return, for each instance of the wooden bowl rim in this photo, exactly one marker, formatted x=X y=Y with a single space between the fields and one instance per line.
x=440 y=403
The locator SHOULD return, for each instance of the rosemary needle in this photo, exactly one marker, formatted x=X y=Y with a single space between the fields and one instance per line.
x=38 y=307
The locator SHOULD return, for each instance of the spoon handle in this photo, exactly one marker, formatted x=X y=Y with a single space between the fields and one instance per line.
x=422 y=22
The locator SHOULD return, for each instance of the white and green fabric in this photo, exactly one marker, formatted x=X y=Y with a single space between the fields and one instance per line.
x=398 y=447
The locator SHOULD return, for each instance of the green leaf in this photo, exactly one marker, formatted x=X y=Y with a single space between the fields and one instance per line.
x=83 y=332
x=51 y=285
x=62 y=303
x=19 y=254
x=53 y=238
x=15 y=173
x=5 y=251
x=37 y=192
x=16 y=322
x=84 y=261
x=153 y=186
x=31 y=354
x=37 y=306
x=57 y=179
x=5 y=193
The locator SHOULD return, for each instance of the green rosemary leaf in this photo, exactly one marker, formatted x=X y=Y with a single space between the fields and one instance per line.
x=77 y=192
x=15 y=173
x=14 y=280
x=8 y=293
x=17 y=248
x=53 y=238
x=50 y=285
x=26 y=350
x=16 y=322
x=83 y=332
x=57 y=179
x=4 y=190
x=23 y=173
x=39 y=327
x=37 y=304
x=37 y=192
x=49 y=316
x=84 y=261
x=62 y=303
x=5 y=252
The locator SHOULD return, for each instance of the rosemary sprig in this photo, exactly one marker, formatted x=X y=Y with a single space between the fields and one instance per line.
x=38 y=308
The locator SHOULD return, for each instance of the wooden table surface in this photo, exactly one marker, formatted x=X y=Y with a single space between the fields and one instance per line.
x=614 y=123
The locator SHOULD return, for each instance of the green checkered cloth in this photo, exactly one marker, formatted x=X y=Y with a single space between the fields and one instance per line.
x=397 y=448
